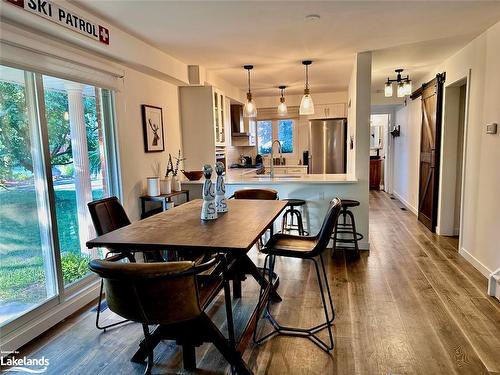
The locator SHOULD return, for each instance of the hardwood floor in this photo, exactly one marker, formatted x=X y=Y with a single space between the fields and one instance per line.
x=411 y=305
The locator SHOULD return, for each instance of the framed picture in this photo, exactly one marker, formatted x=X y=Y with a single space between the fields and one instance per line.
x=152 y=124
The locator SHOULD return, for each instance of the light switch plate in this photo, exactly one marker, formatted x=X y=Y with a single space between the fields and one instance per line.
x=491 y=128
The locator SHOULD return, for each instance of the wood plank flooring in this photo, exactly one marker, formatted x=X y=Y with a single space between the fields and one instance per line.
x=411 y=305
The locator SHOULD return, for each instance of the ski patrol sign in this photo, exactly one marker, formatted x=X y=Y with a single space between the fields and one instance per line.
x=69 y=19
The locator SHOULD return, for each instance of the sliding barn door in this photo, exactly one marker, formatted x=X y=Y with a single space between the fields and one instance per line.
x=430 y=141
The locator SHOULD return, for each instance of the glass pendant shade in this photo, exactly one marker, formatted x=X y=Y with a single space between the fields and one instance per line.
x=249 y=110
x=401 y=90
x=388 y=89
x=282 y=109
x=408 y=87
x=306 y=104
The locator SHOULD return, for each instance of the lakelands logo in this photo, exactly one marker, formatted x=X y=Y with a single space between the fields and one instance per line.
x=55 y=13
x=24 y=364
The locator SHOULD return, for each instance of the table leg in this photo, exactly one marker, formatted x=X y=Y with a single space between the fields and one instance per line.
x=253 y=270
x=141 y=353
x=189 y=357
x=236 y=286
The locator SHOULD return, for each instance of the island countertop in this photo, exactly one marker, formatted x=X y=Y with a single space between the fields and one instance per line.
x=249 y=177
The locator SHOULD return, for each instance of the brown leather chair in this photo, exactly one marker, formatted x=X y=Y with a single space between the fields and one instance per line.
x=167 y=295
x=264 y=194
x=303 y=247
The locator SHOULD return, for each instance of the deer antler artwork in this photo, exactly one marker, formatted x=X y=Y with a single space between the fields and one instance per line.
x=155 y=129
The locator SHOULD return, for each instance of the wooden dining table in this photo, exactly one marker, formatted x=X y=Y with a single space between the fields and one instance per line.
x=181 y=229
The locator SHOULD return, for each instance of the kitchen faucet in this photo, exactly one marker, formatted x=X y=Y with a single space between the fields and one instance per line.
x=272 y=156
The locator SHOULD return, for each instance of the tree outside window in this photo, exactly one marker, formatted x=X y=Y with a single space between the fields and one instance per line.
x=268 y=131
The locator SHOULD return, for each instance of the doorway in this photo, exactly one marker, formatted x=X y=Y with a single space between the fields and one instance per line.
x=379 y=150
x=453 y=159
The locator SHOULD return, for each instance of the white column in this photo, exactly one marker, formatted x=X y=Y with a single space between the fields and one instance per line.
x=80 y=162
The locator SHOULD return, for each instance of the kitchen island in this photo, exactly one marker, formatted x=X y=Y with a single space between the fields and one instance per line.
x=316 y=189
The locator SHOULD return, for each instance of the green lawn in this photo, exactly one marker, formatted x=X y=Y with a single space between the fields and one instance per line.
x=22 y=276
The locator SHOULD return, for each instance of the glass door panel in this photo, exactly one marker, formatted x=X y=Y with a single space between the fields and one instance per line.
x=79 y=172
x=27 y=267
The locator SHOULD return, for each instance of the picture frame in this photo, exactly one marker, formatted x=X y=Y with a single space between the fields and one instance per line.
x=152 y=125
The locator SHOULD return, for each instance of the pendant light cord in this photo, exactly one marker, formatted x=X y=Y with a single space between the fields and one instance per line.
x=248 y=80
x=307 y=76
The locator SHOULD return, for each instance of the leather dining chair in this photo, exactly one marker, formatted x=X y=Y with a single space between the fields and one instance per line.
x=264 y=194
x=307 y=248
x=167 y=295
x=108 y=215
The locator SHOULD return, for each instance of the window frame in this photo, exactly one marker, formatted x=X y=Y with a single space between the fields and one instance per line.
x=275 y=133
x=34 y=91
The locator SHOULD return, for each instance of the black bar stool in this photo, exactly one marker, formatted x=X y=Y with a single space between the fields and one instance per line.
x=346 y=229
x=291 y=213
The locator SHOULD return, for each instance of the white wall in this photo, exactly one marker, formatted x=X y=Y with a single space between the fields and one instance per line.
x=136 y=165
x=480 y=235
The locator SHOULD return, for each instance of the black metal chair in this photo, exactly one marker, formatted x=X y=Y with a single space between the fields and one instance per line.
x=303 y=247
x=108 y=215
x=170 y=296
x=346 y=229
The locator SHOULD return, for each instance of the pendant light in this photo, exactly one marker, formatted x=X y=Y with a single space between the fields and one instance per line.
x=306 y=104
x=388 y=89
x=249 y=110
x=282 y=109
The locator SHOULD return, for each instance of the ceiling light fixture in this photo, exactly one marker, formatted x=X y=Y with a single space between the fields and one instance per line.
x=282 y=109
x=403 y=85
x=313 y=17
x=306 y=104
x=249 y=110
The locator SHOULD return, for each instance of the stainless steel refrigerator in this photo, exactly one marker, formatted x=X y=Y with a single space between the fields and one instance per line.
x=327 y=145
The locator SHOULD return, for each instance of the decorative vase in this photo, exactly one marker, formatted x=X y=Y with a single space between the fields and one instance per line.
x=176 y=184
x=220 y=190
x=153 y=186
x=166 y=185
x=208 y=209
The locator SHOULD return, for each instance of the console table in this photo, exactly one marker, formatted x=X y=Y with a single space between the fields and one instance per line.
x=164 y=199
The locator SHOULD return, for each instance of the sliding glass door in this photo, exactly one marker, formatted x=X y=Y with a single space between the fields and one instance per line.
x=56 y=155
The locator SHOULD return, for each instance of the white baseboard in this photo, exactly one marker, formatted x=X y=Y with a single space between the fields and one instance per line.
x=475 y=262
x=39 y=325
x=405 y=203
x=494 y=284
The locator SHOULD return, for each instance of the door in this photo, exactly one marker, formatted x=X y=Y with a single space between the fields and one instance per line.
x=430 y=140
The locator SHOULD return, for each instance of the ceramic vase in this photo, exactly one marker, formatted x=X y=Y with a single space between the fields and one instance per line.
x=166 y=185
x=220 y=189
x=208 y=209
x=153 y=186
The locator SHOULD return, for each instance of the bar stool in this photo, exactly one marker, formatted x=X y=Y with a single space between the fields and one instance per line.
x=346 y=228
x=291 y=213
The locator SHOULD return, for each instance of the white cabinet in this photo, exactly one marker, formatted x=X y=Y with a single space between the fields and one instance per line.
x=203 y=118
x=332 y=110
x=290 y=169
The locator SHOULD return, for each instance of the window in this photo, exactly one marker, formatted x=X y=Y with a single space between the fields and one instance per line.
x=281 y=130
x=49 y=125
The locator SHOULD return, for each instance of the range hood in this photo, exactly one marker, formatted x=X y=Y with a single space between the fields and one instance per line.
x=237 y=122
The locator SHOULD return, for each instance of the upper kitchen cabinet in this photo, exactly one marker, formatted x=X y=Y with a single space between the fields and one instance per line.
x=333 y=110
x=203 y=118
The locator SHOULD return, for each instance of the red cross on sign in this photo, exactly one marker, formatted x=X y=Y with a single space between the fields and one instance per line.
x=103 y=35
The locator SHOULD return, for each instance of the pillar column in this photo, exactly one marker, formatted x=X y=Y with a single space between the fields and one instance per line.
x=80 y=162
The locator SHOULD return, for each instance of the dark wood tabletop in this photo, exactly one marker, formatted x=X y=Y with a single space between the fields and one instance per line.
x=181 y=228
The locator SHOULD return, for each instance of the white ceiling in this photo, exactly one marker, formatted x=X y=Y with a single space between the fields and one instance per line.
x=274 y=36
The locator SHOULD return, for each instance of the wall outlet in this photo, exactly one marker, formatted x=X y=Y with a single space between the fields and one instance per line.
x=491 y=128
